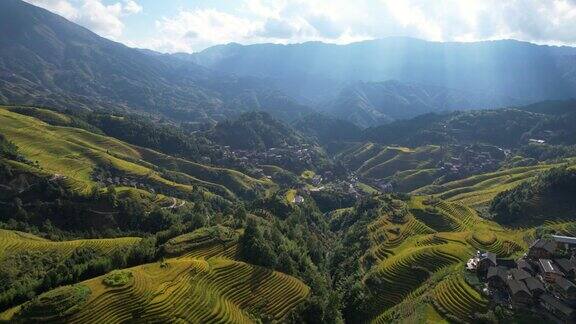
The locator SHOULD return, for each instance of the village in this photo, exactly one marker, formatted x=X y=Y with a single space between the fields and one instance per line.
x=541 y=281
x=472 y=159
x=288 y=155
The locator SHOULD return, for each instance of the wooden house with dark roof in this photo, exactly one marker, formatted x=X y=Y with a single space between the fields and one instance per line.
x=566 y=289
x=542 y=249
x=558 y=308
x=526 y=266
x=485 y=261
x=549 y=270
x=519 y=293
x=519 y=274
x=535 y=286
x=565 y=242
x=567 y=266
x=497 y=277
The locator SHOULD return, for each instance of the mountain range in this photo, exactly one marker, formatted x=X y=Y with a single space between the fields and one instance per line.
x=506 y=68
x=47 y=60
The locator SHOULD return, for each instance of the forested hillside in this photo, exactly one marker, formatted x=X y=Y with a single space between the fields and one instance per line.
x=549 y=197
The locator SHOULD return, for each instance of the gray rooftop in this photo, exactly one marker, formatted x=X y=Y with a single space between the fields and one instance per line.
x=548 y=266
x=564 y=239
x=533 y=284
x=557 y=304
x=565 y=284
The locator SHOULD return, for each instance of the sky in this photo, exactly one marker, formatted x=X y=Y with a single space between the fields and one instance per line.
x=192 y=25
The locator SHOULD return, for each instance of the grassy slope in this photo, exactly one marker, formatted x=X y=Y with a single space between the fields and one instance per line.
x=420 y=263
x=191 y=290
x=75 y=153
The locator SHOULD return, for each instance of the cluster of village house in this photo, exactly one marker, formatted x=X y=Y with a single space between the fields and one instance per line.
x=471 y=159
x=120 y=181
x=542 y=280
x=302 y=153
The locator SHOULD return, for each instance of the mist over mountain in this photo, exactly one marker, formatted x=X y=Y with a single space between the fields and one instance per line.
x=435 y=76
x=374 y=103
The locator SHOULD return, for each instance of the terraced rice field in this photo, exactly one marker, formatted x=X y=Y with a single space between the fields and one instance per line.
x=404 y=272
x=419 y=262
x=205 y=242
x=488 y=241
x=216 y=290
x=229 y=251
x=455 y=297
x=387 y=235
x=377 y=161
x=479 y=190
x=75 y=153
x=465 y=216
x=14 y=241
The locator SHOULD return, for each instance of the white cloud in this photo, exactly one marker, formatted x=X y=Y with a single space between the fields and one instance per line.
x=336 y=21
x=281 y=22
x=61 y=7
x=105 y=20
x=277 y=28
x=200 y=28
x=132 y=7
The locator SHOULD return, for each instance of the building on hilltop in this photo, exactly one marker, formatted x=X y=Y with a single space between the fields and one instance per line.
x=541 y=281
x=316 y=180
x=567 y=266
x=519 y=274
x=526 y=266
x=536 y=141
x=481 y=262
x=486 y=260
x=565 y=242
x=497 y=277
x=298 y=199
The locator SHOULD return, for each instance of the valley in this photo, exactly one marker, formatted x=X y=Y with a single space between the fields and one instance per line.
x=391 y=180
x=401 y=223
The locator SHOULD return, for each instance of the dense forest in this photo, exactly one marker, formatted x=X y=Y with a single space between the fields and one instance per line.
x=550 y=196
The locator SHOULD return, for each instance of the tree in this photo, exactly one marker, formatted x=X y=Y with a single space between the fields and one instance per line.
x=254 y=248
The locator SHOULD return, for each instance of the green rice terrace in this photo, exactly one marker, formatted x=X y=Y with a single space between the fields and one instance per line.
x=190 y=290
x=312 y=170
x=14 y=241
x=73 y=154
x=420 y=254
x=418 y=250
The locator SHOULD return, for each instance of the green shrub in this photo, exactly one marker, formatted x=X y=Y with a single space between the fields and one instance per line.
x=117 y=278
